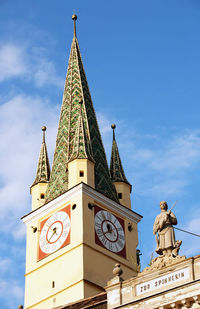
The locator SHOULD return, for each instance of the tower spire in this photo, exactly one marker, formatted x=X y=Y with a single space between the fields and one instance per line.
x=43 y=168
x=76 y=89
x=116 y=169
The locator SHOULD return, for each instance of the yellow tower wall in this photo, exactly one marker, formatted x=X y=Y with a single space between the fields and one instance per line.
x=125 y=190
x=82 y=268
x=77 y=166
x=64 y=267
x=99 y=262
x=36 y=192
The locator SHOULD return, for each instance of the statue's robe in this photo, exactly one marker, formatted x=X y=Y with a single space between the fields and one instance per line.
x=163 y=225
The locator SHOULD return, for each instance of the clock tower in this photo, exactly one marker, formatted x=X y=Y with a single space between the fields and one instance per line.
x=81 y=222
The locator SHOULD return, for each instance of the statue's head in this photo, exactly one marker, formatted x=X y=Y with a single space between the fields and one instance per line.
x=163 y=206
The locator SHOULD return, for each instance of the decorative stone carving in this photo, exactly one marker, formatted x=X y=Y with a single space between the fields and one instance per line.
x=117 y=271
x=163 y=261
x=197 y=299
x=186 y=303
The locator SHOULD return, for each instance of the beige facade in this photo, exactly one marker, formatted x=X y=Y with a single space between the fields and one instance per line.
x=174 y=286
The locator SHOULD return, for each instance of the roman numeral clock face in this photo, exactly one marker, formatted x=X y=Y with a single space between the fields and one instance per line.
x=109 y=231
x=54 y=232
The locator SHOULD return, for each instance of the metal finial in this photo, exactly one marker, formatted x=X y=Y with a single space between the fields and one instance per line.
x=113 y=126
x=74 y=18
x=44 y=129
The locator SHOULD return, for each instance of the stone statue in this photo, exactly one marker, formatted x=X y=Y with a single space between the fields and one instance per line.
x=163 y=225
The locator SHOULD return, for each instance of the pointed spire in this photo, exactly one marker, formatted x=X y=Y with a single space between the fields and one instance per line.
x=43 y=168
x=82 y=146
x=116 y=169
x=76 y=89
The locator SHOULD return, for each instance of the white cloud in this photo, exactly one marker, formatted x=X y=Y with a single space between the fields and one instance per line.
x=30 y=64
x=11 y=61
x=44 y=73
x=181 y=152
x=190 y=242
x=21 y=138
x=4 y=264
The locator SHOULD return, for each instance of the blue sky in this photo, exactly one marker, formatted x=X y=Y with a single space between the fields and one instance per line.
x=142 y=63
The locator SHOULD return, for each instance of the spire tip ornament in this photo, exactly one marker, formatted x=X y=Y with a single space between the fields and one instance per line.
x=44 y=129
x=113 y=126
x=74 y=18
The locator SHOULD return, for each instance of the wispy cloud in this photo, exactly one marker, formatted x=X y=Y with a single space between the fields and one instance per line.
x=10 y=295
x=19 y=149
x=190 y=242
x=11 y=61
x=28 y=63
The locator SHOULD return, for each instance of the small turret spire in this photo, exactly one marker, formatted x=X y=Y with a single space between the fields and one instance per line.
x=116 y=169
x=43 y=168
x=74 y=18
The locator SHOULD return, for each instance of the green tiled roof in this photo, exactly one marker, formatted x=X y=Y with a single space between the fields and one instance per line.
x=82 y=146
x=78 y=133
x=43 y=168
x=116 y=169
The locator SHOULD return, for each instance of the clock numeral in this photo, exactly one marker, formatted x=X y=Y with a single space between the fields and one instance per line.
x=97 y=225
x=115 y=221
x=99 y=232
x=121 y=237
x=109 y=216
x=53 y=247
x=43 y=244
x=120 y=243
x=110 y=246
x=100 y=219
x=104 y=240
x=116 y=247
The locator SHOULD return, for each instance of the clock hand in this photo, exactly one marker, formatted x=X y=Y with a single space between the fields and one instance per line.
x=54 y=232
x=110 y=230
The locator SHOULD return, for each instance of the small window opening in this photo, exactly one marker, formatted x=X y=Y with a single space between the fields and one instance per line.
x=53 y=284
x=119 y=196
x=81 y=173
x=42 y=195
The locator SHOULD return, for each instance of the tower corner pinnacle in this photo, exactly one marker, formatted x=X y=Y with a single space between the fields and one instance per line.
x=43 y=168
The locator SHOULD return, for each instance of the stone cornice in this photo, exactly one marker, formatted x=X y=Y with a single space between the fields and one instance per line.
x=67 y=196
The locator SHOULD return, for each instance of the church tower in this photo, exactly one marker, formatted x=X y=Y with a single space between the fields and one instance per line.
x=79 y=227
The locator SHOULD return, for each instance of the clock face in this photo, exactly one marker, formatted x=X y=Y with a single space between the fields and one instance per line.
x=109 y=231
x=54 y=232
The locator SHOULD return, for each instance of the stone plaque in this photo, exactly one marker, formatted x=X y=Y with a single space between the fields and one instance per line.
x=163 y=281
